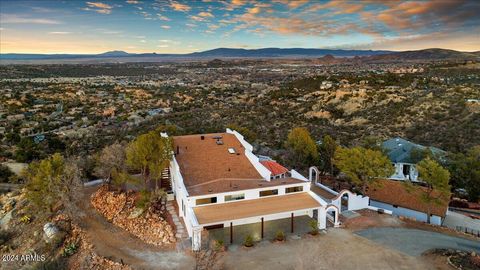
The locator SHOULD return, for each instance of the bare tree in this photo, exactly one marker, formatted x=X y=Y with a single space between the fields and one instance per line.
x=111 y=159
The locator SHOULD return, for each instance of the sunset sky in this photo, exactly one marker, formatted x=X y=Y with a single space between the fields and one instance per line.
x=187 y=26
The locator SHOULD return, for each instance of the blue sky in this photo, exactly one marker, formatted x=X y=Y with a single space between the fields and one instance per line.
x=187 y=26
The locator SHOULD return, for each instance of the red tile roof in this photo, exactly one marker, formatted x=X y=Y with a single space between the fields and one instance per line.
x=274 y=167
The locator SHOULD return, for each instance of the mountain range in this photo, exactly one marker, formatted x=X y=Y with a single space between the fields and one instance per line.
x=256 y=53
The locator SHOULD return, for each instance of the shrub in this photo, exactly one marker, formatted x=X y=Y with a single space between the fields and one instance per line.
x=248 y=241
x=26 y=219
x=218 y=245
x=280 y=236
x=70 y=249
x=313 y=226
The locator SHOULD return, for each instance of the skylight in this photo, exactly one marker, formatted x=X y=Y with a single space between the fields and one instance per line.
x=231 y=150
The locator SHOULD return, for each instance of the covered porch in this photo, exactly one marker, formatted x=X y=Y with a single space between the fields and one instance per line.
x=260 y=218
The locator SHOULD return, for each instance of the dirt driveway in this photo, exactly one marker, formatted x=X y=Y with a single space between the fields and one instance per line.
x=338 y=249
x=118 y=245
x=415 y=242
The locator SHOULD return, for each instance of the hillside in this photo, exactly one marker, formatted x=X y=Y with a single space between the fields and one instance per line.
x=367 y=55
x=432 y=54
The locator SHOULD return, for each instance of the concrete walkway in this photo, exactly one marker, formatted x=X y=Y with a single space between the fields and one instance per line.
x=415 y=242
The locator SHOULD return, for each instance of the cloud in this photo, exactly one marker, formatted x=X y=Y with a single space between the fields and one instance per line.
x=205 y=14
x=18 y=19
x=59 y=33
x=179 y=7
x=162 y=18
x=233 y=4
x=292 y=4
x=196 y=18
x=99 y=7
x=111 y=32
x=133 y=2
x=165 y=26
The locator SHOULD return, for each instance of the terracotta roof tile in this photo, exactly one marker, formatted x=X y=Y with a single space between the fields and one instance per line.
x=274 y=167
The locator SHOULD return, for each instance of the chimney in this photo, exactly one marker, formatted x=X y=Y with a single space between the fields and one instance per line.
x=202 y=137
x=178 y=150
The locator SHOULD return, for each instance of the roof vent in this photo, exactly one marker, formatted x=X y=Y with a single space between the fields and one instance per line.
x=219 y=142
x=218 y=137
x=231 y=150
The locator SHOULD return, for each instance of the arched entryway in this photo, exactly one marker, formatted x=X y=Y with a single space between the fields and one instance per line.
x=313 y=174
x=332 y=216
x=344 y=201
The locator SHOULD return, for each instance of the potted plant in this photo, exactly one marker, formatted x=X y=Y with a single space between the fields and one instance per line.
x=218 y=245
x=313 y=227
x=280 y=236
x=248 y=241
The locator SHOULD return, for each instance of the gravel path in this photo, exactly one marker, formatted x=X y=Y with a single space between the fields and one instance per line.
x=118 y=245
x=415 y=242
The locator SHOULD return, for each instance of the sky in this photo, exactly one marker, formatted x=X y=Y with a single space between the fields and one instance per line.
x=167 y=26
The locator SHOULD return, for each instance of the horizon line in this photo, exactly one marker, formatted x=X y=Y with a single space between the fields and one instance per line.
x=238 y=48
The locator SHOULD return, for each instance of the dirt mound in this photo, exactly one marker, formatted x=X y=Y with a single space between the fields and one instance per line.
x=119 y=208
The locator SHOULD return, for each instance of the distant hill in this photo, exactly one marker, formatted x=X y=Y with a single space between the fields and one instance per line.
x=215 y=53
x=279 y=52
x=323 y=55
x=432 y=54
x=114 y=54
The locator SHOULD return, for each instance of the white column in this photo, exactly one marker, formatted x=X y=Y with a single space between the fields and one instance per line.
x=337 y=222
x=197 y=238
x=322 y=218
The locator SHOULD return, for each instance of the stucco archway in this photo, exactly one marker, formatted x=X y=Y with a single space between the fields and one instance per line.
x=333 y=218
x=313 y=174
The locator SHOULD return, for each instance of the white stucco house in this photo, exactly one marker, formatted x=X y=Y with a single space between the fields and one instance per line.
x=404 y=156
x=218 y=182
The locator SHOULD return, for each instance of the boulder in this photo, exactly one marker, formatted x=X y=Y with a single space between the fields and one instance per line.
x=50 y=231
x=136 y=213
x=5 y=220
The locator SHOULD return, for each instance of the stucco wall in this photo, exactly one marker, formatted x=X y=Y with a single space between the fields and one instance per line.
x=400 y=211
x=398 y=174
x=250 y=194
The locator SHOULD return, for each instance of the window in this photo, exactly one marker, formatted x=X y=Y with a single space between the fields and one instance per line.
x=235 y=197
x=270 y=192
x=206 y=200
x=294 y=189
